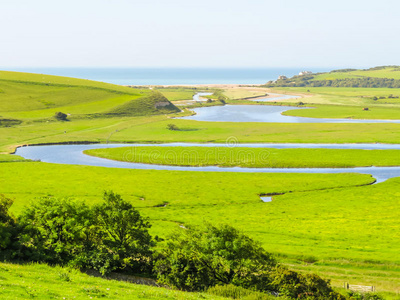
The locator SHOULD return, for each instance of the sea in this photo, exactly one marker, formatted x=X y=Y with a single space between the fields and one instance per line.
x=171 y=76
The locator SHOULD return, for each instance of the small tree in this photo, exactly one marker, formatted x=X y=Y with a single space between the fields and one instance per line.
x=60 y=116
x=124 y=236
x=172 y=127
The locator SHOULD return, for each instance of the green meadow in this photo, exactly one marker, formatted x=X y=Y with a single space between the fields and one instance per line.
x=153 y=129
x=340 y=226
x=334 y=224
x=251 y=157
x=178 y=93
x=39 y=281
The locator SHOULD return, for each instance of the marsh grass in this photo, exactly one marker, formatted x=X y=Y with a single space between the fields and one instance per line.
x=250 y=157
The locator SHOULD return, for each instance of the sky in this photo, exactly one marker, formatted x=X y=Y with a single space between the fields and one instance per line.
x=205 y=33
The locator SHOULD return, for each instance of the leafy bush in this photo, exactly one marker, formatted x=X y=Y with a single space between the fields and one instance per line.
x=56 y=230
x=7 y=223
x=110 y=236
x=60 y=116
x=298 y=286
x=198 y=258
x=172 y=127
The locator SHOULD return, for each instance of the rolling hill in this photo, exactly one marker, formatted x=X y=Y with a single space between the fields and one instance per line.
x=35 y=96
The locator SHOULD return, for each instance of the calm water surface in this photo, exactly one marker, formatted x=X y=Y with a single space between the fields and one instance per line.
x=263 y=113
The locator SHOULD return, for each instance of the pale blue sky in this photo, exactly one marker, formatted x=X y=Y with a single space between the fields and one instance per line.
x=206 y=33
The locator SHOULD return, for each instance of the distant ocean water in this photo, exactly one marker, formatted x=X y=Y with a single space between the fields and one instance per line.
x=171 y=76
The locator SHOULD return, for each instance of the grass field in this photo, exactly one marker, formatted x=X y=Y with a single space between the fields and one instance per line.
x=153 y=129
x=176 y=94
x=38 y=97
x=342 y=95
x=349 y=233
x=251 y=157
x=40 y=281
x=336 y=225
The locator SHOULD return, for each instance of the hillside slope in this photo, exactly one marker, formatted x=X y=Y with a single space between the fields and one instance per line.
x=44 y=282
x=377 y=77
x=37 y=96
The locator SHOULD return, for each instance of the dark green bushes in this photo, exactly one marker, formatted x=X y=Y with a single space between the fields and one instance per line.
x=8 y=229
x=113 y=236
x=295 y=285
x=200 y=258
x=60 y=116
x=122 y=236
x=106 y=237
x=196 y=259
x=172 y=127
x=55 y=230
x=9 y=122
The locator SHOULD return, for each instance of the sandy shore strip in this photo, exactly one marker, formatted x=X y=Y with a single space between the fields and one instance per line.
x=274 y=96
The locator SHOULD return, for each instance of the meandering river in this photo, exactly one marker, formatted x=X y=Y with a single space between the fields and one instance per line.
x=73 y=154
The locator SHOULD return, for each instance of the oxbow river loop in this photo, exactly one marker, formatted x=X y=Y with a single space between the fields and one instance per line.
x=73 y=154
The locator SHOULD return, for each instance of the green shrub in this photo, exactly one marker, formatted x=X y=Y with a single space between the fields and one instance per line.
x=110 y=236
x=60 y=116
x=298 y=286
x=8 y=228
x=56 y=230
x=172 y=127
x=198 y=258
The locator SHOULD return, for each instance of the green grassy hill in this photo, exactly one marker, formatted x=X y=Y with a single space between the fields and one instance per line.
x=34 y=96
x=391 y=72
x=378 y=77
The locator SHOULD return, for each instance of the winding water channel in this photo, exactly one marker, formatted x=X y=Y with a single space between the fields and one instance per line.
x=73 y=154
